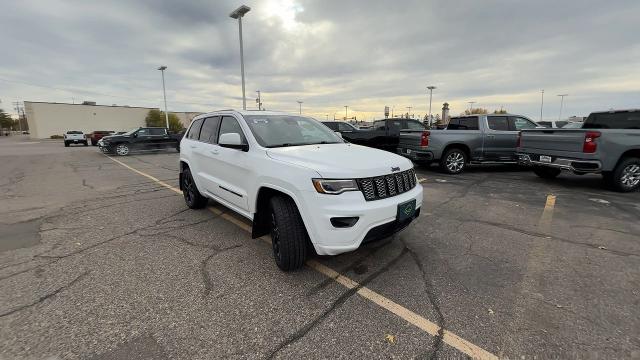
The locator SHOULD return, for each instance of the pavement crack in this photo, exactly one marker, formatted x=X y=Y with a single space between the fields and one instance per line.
x=434 y=300
x=336 y=304
x=206 y=278
x=47 y=296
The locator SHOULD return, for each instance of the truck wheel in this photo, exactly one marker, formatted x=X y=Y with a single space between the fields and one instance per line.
x=94 y=143
x=85 y=143
x=626 y=176
x=192 y=195
x=546 y=172
x=453 y=161
x=66 y=144
x=288 y=234
x=122 y=149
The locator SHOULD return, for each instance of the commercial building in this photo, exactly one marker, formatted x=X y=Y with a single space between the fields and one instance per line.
x=46 y=119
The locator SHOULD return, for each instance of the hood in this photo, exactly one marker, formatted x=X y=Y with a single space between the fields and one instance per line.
x=115 y=137
x=341 y=161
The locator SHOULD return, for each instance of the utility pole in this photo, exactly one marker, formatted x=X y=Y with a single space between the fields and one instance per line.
x=327 y=117
x=409 y=108
x=259 y=101
x=471 y=105
x=541 y=103
x=430 y=97
x=300 y=105
x=561 y=105
x=345 y=112
x=16 y=105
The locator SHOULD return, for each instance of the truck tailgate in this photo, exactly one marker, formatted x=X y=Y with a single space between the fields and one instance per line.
x=409 y=138
x=570 y=140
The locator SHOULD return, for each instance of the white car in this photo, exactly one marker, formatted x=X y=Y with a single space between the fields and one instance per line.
x=297 y=181
x=74 y=137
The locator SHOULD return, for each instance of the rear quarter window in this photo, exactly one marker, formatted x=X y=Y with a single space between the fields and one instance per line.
x=464 y=123
x=616 y=120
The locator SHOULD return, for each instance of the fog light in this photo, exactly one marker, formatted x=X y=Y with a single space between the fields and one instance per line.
x=344 y=222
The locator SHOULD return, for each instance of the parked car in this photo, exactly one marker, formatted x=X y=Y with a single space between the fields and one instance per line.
x=608 y=143
x=340 y=126
x=553 y=124
x=469 y=139
x=144 y=138
x=297 y=180
x=74 y=137
x=96 y=135
x=385 y=133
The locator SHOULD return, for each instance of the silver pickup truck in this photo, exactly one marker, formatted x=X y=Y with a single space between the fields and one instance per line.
x=475 y=139
x=608 y=143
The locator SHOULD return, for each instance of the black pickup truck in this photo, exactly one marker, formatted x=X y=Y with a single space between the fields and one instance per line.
x=144 y=138
x=384 y=135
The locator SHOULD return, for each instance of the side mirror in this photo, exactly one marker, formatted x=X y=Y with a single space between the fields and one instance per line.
x=135 y=134
x=232 y=141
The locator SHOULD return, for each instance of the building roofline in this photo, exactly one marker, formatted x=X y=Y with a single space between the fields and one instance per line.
x=111 y=106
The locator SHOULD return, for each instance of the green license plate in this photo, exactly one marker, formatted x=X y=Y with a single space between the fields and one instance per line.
x=406 y=210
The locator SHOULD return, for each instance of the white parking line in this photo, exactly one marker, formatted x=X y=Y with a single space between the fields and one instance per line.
x=409 y=316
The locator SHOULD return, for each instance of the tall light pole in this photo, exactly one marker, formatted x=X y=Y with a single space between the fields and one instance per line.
x=238 y=14
x=430 y=97
x=259 y=100
x=345 y=112
x=471 y=105
x=541 y=103
x=561 y=104
x=164 y=93
x=300 y=106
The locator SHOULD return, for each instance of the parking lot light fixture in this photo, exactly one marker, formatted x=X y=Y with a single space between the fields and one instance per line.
x=300 y=105
x=561 y=105
x=471 y=105
x=239 y=14
x=164 y=94
x=541 y=103
x=431 y=88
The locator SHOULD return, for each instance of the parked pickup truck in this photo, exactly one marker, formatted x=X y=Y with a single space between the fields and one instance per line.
x=144 y=138
x=608 y=143
x=96 y=135
x=385 y=134
x=468 y=139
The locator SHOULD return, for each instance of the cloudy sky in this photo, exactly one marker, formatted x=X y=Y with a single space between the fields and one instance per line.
x=365 y=54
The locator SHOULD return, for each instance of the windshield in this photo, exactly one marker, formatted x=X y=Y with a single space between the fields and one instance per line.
x=287 y=130
x=130 y=132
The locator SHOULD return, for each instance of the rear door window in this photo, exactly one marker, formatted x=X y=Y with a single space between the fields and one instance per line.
x=344 y=127
x=499 y=123
x=617 y=120
x=194 y=130
x=209 y=129
x=158 y=132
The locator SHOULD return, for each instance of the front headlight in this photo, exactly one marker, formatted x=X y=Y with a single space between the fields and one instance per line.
x=334 y=186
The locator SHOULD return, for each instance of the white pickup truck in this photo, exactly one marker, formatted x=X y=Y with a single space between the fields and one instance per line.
x=297 y=180
x=74 y=137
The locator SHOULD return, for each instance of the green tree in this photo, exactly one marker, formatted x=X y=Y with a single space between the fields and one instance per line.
x=501 y=111
x=5 y=120
x=476 y=111
x=156 y=118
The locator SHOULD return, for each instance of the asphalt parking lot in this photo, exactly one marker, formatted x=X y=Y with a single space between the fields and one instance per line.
x=100 y=259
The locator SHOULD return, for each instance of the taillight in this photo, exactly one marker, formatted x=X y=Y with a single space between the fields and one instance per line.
x=519 y=141
x=590 y=144
x=424 y=138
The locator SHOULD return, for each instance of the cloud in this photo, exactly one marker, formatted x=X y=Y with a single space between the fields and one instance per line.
x=325 y=53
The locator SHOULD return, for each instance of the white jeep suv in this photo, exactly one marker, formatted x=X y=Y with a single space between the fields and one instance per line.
x=297 y=180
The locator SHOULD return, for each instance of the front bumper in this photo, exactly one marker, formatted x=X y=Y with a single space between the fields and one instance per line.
x=376 y=219
x=580 y=166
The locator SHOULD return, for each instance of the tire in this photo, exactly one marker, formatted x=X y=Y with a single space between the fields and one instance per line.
x=94 y=143
x=66 y=144
x=546 y=172
x=192 y=196
x=86 y=144
x=288 y=234
x=122 y=149
x=626 y=175
x=454 y=161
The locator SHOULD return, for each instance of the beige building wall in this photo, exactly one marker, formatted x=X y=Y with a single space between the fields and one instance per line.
x=46 y=119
